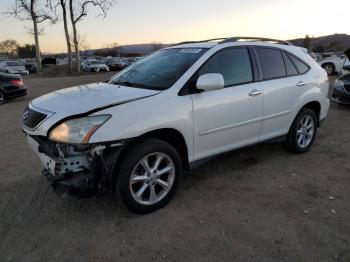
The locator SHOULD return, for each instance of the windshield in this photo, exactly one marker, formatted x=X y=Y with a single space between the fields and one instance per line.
x=160 y=70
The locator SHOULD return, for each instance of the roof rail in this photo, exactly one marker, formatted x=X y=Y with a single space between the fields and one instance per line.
x=263 y=39
x=200 y=41
x=236 y=39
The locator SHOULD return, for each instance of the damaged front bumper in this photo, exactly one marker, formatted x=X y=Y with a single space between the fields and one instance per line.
x=77 y=168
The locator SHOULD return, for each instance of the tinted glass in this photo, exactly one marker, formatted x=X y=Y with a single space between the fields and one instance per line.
x=160 y=70
x=271 y=62
x=291 y=69
x=234 y=65
x=301 y=66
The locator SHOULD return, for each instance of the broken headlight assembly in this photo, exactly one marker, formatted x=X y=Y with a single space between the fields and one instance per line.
x=79 y=130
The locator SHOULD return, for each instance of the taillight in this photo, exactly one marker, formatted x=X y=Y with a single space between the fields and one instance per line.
x=17 y=82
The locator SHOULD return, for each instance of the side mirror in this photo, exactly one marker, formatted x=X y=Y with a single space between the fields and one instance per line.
x=210 y=82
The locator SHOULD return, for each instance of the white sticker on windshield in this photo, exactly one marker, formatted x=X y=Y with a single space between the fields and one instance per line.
x=191 y=50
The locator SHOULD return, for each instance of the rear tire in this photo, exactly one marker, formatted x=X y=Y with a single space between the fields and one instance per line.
x=149 y=175
x=303 y=131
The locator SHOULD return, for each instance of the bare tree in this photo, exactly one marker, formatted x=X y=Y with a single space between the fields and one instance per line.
x=63 y=4
x=37 y=12
x=82 y=43
x=78 y=10
x=9 y=48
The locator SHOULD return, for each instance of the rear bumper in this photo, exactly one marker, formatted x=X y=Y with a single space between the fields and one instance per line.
x=325 y=104
x=22 y=91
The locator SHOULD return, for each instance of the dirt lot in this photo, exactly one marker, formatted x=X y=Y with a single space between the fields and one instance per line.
x=256 y=204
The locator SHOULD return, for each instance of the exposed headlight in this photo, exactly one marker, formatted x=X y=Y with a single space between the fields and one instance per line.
x=77 y=131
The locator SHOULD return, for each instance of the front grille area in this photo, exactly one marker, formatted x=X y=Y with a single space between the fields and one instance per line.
x=347 y=88
x=31 y=118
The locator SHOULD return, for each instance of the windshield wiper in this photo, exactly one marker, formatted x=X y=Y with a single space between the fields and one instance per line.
x=123 y=83
x=129 y=84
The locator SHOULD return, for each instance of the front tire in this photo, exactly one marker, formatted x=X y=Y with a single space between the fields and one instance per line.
x=149 y=175
x=303 y=131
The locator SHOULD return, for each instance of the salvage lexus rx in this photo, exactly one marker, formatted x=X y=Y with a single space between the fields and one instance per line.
x=135 y=134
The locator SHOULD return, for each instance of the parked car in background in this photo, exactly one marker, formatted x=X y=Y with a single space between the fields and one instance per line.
x=6 y=70
x=332 y=64
x=131 y=60
x=31 y=65
x=136 y=133
x=14 y=67
x=341 y=90
x=346 y=66
x=313 y=55
x=94 y=66
x=11 y=86
x=117 y=63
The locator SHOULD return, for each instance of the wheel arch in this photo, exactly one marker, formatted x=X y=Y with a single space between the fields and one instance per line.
x=169 y=135
x=314 y=106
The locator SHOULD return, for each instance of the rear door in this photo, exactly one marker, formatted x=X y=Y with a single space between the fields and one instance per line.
x=284 y=82
x=231 y=117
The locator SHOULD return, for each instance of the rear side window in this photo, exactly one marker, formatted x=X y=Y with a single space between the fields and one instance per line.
x=271 y=63
x=234 y=65
x=301 y=66
x=290 y=67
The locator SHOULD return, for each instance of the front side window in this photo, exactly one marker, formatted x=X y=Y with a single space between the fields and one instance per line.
x=232 y=63
x=160 y=70
x=271 y=63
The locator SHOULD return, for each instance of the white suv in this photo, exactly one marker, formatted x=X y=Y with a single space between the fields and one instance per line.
x=136 y=133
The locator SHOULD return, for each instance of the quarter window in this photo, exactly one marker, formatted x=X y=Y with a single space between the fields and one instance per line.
x=290 y=67
x=301 y=66
x=271 y=63
x=234 y=65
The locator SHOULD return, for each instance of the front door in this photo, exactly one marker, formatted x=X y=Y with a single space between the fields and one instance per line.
x=231 y=117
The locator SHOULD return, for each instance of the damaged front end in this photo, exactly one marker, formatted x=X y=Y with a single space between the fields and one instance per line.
x=77 y=168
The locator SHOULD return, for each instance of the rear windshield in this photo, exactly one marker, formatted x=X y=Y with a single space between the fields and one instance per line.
x=160 y=70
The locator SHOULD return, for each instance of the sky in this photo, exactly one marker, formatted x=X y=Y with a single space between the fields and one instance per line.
x=169 y=21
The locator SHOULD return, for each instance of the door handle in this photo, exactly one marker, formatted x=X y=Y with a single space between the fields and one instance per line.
x=301 y=83
x=255 y=92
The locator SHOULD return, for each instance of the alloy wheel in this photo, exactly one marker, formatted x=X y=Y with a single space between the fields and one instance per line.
x=152 y=178
x=305 y=131
x=329 y=69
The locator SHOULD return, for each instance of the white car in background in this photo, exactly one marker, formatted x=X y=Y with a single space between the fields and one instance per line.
x=332 y=64
x=168 y=112
x=14 y=67
x=346 y=66
x=94 y=66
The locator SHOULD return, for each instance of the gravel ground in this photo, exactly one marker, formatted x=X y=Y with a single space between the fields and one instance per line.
x=256 y=204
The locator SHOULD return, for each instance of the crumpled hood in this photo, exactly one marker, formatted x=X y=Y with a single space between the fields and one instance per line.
x=85 y=98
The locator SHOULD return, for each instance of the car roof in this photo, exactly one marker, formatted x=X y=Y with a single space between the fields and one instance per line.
x=209 y=45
